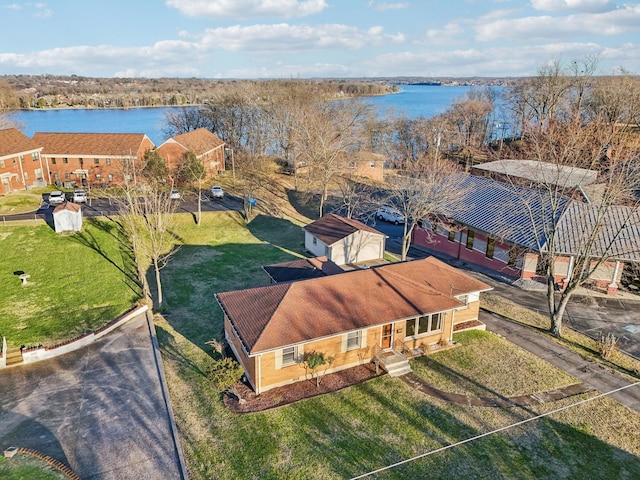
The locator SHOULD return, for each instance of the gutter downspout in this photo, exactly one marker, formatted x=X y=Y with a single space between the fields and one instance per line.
x=259 y=379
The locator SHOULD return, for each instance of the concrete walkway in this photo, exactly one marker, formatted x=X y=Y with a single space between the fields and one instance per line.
x=591 y=373
x=101 y=410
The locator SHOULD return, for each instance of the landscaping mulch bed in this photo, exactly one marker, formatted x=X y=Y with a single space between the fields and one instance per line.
x=277 y=397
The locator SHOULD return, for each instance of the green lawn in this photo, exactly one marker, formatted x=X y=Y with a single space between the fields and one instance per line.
x=77 y=282
x=380 y=422
x=25 y=467
x=19 y=202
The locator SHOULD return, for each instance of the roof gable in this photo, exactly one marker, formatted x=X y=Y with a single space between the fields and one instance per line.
x=200 y=141
x=332 y=228
x=13 y=142
x=267 y=318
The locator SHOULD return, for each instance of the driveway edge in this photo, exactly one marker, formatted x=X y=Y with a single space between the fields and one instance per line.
x=165 y=395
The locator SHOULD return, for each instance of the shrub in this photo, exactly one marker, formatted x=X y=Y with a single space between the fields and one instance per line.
x=225 y=373
x=607 y=345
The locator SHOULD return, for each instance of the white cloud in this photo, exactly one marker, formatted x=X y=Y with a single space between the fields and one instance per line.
x=384 y=6
x=295 y=38
x=575 y=5
x=450 y=34
x=248 y=8
x=12 y=6
x=615 y=22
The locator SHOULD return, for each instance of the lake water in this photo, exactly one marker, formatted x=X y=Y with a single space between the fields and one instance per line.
x=413 y=101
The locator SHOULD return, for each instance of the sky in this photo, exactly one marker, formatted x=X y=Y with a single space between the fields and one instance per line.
x=315 y=38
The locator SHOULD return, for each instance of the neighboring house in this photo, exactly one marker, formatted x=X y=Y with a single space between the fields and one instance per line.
x=343 y=240
x=21 y=165
x=364 y=165
x=207 y=147
x=301 y=269
x=93 y=159
x=380 y=313
x=490 y=226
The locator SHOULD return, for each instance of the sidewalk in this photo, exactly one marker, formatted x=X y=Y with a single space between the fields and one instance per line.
x=591 y=373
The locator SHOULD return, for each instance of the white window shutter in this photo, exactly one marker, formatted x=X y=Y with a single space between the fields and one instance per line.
x=300 y=353
x=343 y=346
x=278 y=354
x=363 y=338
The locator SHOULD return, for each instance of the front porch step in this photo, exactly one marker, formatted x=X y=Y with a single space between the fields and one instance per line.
x=395 y=364
x=14 y=356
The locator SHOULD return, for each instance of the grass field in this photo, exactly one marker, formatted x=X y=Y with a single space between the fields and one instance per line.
x=377 y=423
x=77 y=282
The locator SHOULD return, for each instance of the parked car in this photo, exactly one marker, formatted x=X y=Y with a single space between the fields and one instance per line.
x=217 y=192
x=390 y=214
x=79 y=196
x=175 y=195
x=56 y=198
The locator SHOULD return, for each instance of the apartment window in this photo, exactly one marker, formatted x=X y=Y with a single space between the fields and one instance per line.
x=98 y=176
x=21 y=158
x=53 y=161
x=288 y=356
x=470 y=239
x=353 y=340
x=36 y=156
x=490 y=247
x=1 y=163
x=110 y=177
x=424 y=325
x=96 y=161
x=65 y=160
x=56 y=177
x=108 y=161
x=25 y=175
x=451 y=236
x=67 y=176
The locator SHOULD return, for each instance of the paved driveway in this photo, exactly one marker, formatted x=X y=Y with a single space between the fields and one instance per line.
x=100 y=410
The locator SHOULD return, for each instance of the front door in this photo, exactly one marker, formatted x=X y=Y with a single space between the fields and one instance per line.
x=387 y=334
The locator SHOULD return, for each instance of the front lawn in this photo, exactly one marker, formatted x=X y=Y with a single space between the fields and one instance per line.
x=77 y=282
x=377 y=423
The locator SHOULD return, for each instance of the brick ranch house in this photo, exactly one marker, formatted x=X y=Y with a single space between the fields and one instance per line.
x=93 y=159
x=490 y=226
x=383 y=313
x=21 y=164
x=208 y=148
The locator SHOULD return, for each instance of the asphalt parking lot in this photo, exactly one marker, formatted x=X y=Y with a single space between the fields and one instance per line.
x=101 y=409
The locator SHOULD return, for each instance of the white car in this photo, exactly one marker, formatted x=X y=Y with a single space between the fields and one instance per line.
x=217 y=192
x=79 y=196
x=175 y=195
x=56 y=198
x=390 y=214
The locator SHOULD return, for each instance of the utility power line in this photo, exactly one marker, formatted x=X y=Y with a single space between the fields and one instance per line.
x=471 y=439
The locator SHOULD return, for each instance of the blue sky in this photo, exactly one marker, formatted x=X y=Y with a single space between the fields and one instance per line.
x=314 y=38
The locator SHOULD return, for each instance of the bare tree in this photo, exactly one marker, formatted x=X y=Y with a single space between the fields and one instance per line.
x=325 y=131
x=147 y=216
x=424 y=194
x=192 y=171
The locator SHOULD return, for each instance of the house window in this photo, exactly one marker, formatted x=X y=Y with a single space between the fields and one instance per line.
x=464 y=299
x=470 y=239
x=108 y=161
x=65 y=160
x=53 y=161
x=353 y=340
x=424 y=325
x=451 y=236
x=288 y=356
x=96 y=161
x=490 y=247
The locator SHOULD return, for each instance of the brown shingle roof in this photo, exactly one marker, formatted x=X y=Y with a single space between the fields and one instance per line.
x=271 y=317
x=13 y=141
x=332 y=228
x=198 y=141
x=88 y=144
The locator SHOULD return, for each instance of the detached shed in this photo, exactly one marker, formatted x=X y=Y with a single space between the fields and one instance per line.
x=67 y=217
